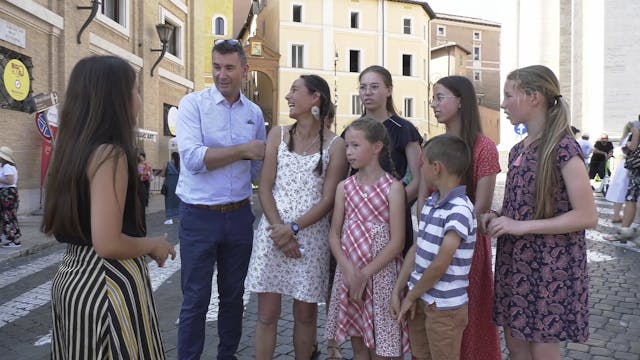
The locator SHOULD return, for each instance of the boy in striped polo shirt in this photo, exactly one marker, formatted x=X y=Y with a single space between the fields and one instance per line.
x=436 y=269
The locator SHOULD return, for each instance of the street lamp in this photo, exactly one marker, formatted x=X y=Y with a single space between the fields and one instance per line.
x=164 y=33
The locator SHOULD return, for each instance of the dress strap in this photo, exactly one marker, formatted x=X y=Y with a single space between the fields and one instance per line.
x=281 y=133
x=331 y=142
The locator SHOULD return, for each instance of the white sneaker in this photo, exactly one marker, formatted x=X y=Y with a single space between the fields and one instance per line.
x=11 y=245
x=168 y=222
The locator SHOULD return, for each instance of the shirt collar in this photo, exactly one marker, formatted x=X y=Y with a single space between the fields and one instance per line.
x=218 y=97
x=434 y=199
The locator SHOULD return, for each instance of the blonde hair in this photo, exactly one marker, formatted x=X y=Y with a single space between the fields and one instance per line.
x=541 y=79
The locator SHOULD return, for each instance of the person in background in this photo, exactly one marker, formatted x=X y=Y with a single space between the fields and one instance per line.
x=602 y=151
x=454 y=105
x=586 y=147
x=221 y=137
x=620 y=178
x=303 y=164
x=145 y=171
x=626 y=231
x=101 y=295
x=540 y=230
x=171 y=200
x=436 y=269
x=375 y=89
x=9 y=200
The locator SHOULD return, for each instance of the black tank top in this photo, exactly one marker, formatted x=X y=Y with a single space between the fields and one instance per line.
x=129 y=223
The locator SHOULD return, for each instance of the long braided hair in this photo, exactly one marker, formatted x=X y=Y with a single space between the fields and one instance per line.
x=375 y=131
x=315 y=84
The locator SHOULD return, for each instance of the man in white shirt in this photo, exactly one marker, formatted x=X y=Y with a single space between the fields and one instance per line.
x=586 y=147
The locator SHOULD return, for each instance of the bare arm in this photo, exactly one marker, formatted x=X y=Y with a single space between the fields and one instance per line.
x=268 y=177
x=433 y=273
x=413 y=153
x=582 y=215
x=635 y=139
x=108 y=195
x=8 y=179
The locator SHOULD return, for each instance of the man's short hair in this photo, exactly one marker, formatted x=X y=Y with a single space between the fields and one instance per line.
x=229 y=46
x=451 y=151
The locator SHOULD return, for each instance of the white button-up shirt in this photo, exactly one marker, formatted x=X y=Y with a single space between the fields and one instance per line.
x=206 y=119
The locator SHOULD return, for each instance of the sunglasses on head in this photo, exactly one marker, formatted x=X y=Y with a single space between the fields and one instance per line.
x=232 y=42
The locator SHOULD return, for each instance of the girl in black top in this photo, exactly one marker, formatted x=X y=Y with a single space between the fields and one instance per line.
x=101 y=296
x=375 y=89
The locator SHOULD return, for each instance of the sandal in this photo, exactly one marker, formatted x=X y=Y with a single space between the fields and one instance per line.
x=315 y=354
x=616 y=220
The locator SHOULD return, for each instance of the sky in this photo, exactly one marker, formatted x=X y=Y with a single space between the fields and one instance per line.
x=483 y=9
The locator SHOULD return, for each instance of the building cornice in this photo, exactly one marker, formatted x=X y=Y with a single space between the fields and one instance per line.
x=40 y=12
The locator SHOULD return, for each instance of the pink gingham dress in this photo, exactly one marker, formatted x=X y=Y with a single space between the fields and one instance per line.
x=365 y=233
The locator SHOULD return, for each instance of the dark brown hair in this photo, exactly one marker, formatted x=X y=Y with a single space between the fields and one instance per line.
x=316 y=84
x=375 y=131
x=98 y=110
x=451 y=151
x=388 y=82
x=470 y=126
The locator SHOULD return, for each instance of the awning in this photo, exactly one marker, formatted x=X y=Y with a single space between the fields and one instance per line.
x=147 y=135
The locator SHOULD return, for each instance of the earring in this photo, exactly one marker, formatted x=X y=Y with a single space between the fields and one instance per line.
x=315 y=111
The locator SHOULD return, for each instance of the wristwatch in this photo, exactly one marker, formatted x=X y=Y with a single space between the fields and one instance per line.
x=295 y=228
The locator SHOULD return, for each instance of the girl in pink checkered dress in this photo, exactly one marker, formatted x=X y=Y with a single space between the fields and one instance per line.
x=366 y=237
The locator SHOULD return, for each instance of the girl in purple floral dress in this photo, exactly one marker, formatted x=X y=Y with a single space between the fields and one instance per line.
x=541 y=285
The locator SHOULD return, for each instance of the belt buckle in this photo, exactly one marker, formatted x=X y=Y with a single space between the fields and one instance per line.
x=225 y=207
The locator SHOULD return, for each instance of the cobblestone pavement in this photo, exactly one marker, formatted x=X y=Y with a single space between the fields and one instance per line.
x=25 y=318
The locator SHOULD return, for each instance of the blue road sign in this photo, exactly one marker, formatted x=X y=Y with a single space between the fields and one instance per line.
x=520 y=129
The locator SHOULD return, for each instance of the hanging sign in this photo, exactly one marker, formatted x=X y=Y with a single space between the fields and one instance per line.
x=16 y=79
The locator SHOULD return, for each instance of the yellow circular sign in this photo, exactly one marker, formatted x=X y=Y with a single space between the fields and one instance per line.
x=16 y=79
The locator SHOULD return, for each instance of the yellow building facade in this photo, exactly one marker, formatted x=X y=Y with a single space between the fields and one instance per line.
x=337 y=39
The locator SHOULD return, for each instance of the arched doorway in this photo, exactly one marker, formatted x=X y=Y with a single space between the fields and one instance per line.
x=262 y=84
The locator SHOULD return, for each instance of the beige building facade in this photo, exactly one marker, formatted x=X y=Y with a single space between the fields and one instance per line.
x=47 y=33
x=337 y=40
x=482 y=65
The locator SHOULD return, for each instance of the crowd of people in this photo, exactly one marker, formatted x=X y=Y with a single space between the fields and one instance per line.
x=325 y=197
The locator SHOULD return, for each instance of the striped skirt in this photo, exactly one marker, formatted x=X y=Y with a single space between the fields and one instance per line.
x=103 y=309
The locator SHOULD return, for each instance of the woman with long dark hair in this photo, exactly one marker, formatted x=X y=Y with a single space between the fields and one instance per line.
x=101 y=296
x=303 y=164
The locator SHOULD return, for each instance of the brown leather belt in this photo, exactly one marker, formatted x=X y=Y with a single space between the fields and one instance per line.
x=225 y=208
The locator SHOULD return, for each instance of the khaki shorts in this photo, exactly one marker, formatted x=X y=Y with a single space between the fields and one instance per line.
x=437 y=334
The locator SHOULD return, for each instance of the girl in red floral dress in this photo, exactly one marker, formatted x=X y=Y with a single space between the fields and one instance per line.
x=454 y=104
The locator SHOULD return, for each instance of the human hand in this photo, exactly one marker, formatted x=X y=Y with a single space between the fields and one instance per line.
x=280 y=234
x=407 y=310
x=504 y=225
x=291 y=249
x=394 y=304
x=484 y=220
x=254 y=150
x=357 y=285
x=161 y=250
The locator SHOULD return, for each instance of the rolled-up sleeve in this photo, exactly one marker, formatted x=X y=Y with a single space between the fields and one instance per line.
x=189 y=135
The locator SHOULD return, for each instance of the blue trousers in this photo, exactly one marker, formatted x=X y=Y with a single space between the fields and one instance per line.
x=207 y=239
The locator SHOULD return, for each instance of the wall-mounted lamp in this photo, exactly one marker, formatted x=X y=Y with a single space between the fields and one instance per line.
x=94 y=10
x=164 y=33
